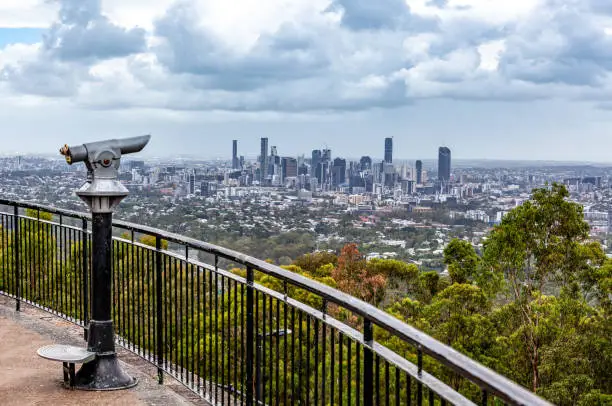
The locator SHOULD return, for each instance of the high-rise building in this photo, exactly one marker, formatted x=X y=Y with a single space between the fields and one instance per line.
x=289 y=168
x=314 y=164
x=191 y=183
x=419 y=172
x=444 y=164
x=366 y=163
x=388 y=150
x=263 y=159
x=235 y=161
x=339 y=172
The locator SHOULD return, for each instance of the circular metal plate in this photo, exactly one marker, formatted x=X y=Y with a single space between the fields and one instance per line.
x=66 y=353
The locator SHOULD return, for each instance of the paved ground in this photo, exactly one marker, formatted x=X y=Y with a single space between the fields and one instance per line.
x=27 y=379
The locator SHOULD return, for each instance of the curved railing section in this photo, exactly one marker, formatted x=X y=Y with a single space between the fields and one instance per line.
x=261 y=335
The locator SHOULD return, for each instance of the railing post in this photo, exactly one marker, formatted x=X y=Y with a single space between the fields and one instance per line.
x=85 y=285
x=158 y=310
x=420 y=372
x=250 y=337
x=368 y=364
x=16 y=247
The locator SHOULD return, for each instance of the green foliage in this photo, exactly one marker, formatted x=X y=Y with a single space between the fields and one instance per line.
x=536 y=307
x=462 y=261
x=393 y=269
x=314 y=261
x=35 y=214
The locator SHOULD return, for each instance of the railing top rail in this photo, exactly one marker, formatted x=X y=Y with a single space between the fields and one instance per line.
x=482 y=376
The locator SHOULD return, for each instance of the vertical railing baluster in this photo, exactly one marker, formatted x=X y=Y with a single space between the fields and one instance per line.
x=85 y=267
x=16 y=270
x=316 y=361
x=368 y=363
x=324 y=339
x=332 y=394
x=485 y=397
x=397 y=386
x=387 y=383
x=420 y=371
x=158 y=304
x=377 y=379
x=293 y=367
x=200 y=336
x=250 y=337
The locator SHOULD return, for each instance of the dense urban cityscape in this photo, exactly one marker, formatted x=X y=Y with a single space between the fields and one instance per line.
x=280 y=207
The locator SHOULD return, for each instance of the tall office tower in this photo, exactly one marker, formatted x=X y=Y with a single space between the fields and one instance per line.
x=339 y=172
x=388 y=150
x=444 y=164
x=366 y=163
x=263 y=159
x=235 y=162
x=191 y=185
x=315 y=171
x=274 y=162
x=289 y=168
x=419 y=172
x=326 y=167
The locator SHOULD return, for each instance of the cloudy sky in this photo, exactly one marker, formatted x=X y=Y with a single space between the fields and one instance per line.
x=520 y=79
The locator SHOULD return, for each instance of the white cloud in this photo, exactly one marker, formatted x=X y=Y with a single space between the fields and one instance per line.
x=26 y=13
x=490 y=53
x=303 y=55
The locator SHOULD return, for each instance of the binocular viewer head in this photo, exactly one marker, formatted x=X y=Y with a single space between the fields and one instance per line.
x=104 y=153
x=103 y=191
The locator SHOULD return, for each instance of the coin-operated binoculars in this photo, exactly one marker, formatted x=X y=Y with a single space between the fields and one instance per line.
x=102 y=192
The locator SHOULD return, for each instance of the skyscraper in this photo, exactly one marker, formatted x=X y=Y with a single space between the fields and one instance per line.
x=235 y=161
x=263 y=159
x=289 y=167
x=339 y=172
x=366 y=163
x=388 y=150
x=419 y=172
x=315 y=165
x=444 y=164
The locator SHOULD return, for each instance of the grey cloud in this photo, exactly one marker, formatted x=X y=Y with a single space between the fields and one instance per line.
x=601 y=6
x=438 y=3
x=78 y=12
x=80 y=37
x=464 y=33
x=291 y=53
x=380 y=14
x=568 y=48
x=83 y=33
x=358 y=64
x=45 y=78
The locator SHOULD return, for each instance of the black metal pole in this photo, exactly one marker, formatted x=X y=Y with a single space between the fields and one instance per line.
x=250 y=337
x=368 y=364
x=85 y=276
x=104 y=373
x=16 y=248
x=159 y=327
x=258 y=379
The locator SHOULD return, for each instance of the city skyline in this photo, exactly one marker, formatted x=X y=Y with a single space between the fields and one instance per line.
x=427 y=73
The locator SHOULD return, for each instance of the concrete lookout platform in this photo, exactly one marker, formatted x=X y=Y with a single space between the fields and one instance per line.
x=27 y=379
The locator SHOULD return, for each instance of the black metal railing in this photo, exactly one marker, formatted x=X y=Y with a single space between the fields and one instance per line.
x=258 y=335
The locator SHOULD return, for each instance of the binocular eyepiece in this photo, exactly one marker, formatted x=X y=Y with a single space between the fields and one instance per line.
x=104 y=152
